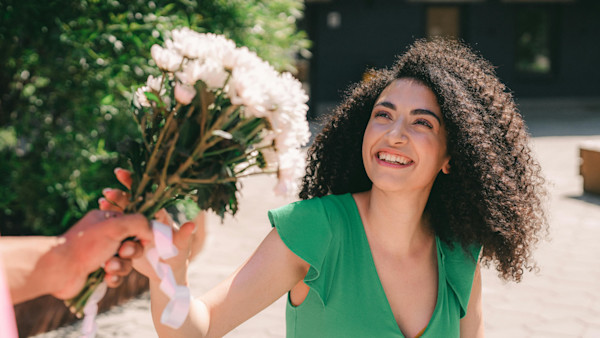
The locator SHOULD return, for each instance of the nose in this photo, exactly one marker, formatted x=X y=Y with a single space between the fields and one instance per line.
x=397 y=133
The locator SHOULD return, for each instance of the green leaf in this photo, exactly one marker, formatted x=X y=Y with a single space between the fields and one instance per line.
x=108 y=99
x=152 y=97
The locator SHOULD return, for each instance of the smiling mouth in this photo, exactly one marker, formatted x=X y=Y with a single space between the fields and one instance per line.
x=394 y=159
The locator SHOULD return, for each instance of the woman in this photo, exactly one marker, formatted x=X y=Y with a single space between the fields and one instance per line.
x=423 y=171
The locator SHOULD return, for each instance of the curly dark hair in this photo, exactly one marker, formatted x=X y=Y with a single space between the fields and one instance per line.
x=495 y=193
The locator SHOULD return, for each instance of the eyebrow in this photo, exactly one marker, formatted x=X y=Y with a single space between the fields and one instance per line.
x=418 y=111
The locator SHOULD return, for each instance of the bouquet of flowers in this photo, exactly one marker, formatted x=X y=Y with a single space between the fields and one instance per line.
x=217 y=113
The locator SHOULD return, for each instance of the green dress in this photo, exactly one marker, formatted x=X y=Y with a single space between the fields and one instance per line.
x=346 y=298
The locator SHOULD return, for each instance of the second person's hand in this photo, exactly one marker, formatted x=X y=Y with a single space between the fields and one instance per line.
x=117 y=200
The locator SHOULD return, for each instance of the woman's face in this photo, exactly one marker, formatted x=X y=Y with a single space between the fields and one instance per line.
x=404 y=145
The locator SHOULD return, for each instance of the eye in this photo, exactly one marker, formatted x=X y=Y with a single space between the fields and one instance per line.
x=381 y=113
x=424 y=123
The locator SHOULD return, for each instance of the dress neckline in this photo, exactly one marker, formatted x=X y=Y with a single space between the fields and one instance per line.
x=380 y=290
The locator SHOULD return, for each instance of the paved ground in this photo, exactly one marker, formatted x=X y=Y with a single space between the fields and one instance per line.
x=562 y=300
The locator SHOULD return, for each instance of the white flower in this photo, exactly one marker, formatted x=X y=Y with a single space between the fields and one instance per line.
x=166 y=59
x=184 y=93
x=140 y=98
x=155 y=83
x=270 y=157
x=251 y=87
x=241 y=58
x=289 y=120
x=211 y=72
x=291 y=168
x=194 y=45
x=185 y=41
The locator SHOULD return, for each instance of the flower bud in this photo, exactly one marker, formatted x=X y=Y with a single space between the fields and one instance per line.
x=184 y=93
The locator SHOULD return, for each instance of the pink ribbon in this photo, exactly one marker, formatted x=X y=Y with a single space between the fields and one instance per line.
x=89 y=327
x=178 y=307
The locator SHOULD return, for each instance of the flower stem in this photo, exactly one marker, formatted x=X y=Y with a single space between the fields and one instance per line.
x=77 y=303
x=201 y=145
x=212 y=180
x=168 y=158
x=256 y=173
x=153 y=157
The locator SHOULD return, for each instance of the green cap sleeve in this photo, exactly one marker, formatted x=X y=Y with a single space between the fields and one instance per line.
x=305 y=229
x=460 y=265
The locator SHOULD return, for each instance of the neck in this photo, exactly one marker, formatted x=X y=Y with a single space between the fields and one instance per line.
x=395 y=221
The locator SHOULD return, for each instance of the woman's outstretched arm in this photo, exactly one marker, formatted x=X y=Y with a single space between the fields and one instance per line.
x=269 y=273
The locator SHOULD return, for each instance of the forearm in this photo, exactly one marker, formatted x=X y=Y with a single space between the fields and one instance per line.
x=195 y=325
x=33 y=264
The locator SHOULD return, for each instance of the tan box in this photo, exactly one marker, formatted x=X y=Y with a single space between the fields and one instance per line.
x=590 y=166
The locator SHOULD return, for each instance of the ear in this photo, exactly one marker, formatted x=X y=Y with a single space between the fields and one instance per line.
x=446 y=167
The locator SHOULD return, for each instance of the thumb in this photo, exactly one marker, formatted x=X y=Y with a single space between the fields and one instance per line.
x=183 y=238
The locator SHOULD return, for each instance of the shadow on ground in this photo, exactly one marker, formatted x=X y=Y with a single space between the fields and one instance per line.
x=587 y=197
x=561 y=116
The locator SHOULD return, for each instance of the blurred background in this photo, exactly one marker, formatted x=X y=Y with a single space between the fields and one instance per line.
x=541 y=48
x=68 y=68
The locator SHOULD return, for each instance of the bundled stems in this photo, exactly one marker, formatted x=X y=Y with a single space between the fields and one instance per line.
x=77 y=303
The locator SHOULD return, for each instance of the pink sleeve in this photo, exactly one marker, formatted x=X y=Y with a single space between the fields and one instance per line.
x=8 y=326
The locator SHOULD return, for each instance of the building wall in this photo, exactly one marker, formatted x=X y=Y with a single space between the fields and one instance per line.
x=372 y=32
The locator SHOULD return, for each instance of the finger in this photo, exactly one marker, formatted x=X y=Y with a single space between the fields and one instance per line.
x=112 y=281
x=106 y=205
x=116 y=196
x=163 y=216
x=98 y=216
x=133 y=225
x=131 y=250
x=183 y=237
x=124 y=176
x=118 y=266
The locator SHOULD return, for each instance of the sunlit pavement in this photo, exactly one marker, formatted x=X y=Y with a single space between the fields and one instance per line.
x=561 y=300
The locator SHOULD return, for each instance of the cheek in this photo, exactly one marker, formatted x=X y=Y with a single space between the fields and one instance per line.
x=367 y=141
x=433 y=146
x=365 y=149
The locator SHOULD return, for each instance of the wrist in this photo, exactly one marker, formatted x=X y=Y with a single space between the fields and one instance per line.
x=36 y=266
x=180 y=276
x=63 y=274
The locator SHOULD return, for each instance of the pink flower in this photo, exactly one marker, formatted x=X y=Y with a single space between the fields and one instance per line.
x=184 y=93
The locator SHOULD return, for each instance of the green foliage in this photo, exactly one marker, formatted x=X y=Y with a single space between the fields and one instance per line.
x=69 y=69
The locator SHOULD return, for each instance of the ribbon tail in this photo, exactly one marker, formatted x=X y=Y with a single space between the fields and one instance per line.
x=178 y=307
x=89 y=327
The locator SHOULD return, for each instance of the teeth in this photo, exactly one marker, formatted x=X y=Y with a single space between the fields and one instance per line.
x=393 y=158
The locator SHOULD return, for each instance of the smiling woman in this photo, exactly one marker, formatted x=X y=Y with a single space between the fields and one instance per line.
x=423 y=172
x=493 y=194
x=438 y=142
